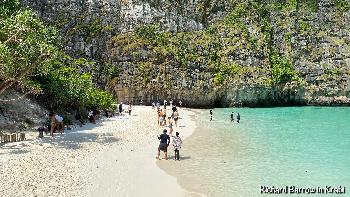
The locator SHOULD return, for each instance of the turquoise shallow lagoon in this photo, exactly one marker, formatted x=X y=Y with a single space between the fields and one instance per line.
x=292 y=146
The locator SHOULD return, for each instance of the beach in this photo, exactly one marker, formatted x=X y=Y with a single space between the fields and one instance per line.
x=114 y=157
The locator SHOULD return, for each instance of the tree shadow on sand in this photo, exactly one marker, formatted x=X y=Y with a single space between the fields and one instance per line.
x=71 y=139
x=13 y=148
x=75 y=140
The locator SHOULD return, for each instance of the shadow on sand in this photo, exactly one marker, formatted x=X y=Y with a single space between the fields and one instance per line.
x=75 y=140
x=181 y=158
x=71 y=139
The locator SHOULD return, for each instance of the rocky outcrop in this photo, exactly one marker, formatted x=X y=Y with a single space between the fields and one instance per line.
x=20 y=114
x=212 y=52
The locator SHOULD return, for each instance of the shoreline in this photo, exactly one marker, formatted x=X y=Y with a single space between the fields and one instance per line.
x=133 y=172
x=115 y=156
x=168 y=167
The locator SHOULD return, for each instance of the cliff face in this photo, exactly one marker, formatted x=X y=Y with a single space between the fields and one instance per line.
x=223 y=53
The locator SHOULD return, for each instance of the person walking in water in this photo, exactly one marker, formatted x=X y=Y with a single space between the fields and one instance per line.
x=177 y=146
x=211 y=115
x=232 y=119
x=163 y=145
x=238 y=117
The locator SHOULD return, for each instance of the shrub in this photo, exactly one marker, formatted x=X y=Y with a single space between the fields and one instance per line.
x=282 y=71
x=342 y=5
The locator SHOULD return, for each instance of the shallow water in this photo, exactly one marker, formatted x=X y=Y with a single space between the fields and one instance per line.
x=294 y=146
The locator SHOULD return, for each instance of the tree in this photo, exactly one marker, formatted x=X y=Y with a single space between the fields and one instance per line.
x=26 y=48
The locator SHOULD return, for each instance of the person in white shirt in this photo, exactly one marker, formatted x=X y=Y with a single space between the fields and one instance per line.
x=177 y=142
x=59 y=123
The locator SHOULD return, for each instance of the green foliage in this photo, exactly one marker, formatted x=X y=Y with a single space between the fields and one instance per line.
x=342 y=5
x=26 y=48
x=282 y=71
x=91 y=28
x=145 y=69
x=223 y=72
x=311 y=5
x=8 y=7
x=99 y=98
x=303 y=26
x=66 y=87
x=147 y=31
x=218 y=78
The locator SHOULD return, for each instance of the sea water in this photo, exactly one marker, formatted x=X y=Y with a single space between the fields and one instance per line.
x=277 y=148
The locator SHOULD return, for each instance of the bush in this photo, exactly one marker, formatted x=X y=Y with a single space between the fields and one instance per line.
x=342 y=5
x=66 y=87
x=282 y=71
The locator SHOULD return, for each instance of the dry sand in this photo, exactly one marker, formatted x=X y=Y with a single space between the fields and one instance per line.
x=115 y=157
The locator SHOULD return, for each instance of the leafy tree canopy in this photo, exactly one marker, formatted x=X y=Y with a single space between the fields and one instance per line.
x=26 y=48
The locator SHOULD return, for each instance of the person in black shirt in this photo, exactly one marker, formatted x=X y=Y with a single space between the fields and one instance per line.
x=232 y=119
x=211 y=115
x=164 y=143
x=238 y=117
x=120 y=108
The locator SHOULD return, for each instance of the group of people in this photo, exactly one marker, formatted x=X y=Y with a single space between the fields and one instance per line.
x=233 y=119
x=238 y=116
x=120 y=108
x=168 y=123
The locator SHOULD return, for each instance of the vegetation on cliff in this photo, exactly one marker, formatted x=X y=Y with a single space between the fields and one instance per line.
x=216 y=50
x=30 y=59
x=212 y=50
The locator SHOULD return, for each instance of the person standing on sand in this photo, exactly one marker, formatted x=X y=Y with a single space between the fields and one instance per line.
x=161 y=117
x=174 y=108
x=211 y=115
x=163 y=145
x=158 y=105
x=238 y=117
x=120 y=108
x=53 y=122
x=175 y=116
x=59 y=123
x=129 y=109
x=153 y=105
x=177 y=146
x=170 y=126
x=165 y=103
x=232 y=119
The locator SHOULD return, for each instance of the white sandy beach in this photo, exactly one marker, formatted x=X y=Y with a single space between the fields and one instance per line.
x=115 y=157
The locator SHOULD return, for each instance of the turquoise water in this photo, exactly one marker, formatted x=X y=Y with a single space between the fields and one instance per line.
x=294 y=146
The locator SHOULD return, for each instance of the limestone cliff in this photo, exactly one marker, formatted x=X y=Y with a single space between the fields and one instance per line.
x=213 y=52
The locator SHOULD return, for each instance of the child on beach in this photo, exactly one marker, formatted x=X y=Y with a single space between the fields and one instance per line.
x=177 y=146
